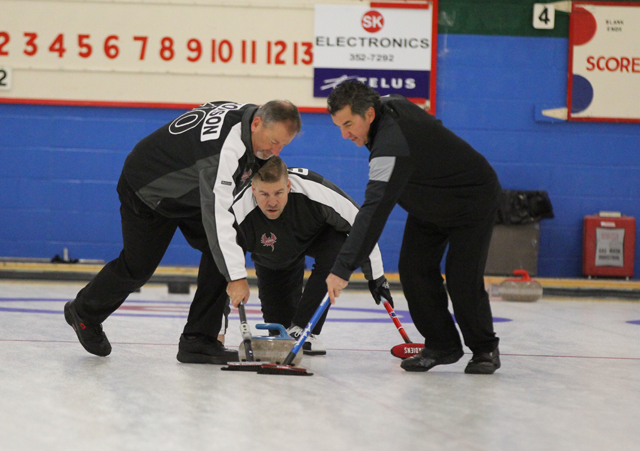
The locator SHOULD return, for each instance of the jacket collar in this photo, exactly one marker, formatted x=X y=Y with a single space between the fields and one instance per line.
x=245 y=132
x=373 y=128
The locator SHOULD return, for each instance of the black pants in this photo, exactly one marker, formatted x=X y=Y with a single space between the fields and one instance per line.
x=423 y=248
x=280 y=290
x=146 y=236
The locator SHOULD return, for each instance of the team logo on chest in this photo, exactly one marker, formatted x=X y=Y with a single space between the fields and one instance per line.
x=269 y=241
x=246 y=175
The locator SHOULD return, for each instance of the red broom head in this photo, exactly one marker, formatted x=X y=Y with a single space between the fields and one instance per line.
x=406 y=350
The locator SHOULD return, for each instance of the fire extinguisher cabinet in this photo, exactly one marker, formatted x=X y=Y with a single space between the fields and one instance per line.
x=608 y=245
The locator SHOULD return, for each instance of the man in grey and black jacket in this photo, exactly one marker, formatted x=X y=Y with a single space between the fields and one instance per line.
x=451 y=195
x=185 y=175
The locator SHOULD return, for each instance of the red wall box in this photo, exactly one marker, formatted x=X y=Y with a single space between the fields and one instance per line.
x=608 y=246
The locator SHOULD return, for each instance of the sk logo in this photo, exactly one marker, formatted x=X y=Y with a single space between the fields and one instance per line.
x=268 y=242
x=372 y=21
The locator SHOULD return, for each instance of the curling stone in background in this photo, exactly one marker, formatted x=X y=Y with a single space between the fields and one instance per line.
x=271 y=349
x=524 y=289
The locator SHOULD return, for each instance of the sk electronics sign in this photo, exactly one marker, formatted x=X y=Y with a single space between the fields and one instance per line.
x=389 y=46
x=604 y=62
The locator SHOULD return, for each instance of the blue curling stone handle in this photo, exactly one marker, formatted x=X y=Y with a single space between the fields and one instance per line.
x=284 y=335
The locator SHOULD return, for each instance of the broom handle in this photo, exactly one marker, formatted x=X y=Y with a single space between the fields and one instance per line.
x=396 y=321
x=246 y=333
x=307 y=330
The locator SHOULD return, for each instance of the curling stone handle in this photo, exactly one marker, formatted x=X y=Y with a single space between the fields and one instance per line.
x=523 y=273
x=274 y=326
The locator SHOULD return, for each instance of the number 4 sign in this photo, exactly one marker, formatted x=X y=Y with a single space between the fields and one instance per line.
x=544 y=15
x=5 y=78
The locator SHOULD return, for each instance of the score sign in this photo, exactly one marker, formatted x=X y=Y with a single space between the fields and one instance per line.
x=604 y=62
x=156 y=53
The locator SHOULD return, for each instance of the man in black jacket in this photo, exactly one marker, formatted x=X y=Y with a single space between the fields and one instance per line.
x=284 y=216
x=451 y=194
x=185 y=175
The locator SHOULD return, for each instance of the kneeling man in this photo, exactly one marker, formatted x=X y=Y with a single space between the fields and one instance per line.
x=288 y=214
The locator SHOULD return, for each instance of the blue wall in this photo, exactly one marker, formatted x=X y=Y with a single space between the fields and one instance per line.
x=59 y=165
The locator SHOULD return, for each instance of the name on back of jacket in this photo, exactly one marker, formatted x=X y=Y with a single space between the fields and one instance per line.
x=215 y=118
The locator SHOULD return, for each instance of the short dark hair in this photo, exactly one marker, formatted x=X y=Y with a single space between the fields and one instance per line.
x=281 y=111
x=355 y=94
x=272 y=171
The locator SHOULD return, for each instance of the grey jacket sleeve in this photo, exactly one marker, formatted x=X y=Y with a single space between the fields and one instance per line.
x=389 y=172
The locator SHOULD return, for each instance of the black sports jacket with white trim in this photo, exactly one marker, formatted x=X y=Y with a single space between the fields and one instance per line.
x=425 y=168
x=196 y=164
x=314 y=203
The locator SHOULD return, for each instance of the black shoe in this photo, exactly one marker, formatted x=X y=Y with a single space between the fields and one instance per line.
x=427 y=359
x=91 y=336
x=484 y=362
x=203 y=349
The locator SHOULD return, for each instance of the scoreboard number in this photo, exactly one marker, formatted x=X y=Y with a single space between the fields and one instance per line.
x=5 y=78
x=544 y=15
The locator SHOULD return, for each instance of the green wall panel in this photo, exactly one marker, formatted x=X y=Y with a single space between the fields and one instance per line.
x=497 y=18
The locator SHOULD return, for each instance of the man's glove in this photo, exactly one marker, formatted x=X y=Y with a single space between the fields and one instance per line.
x=380 y=289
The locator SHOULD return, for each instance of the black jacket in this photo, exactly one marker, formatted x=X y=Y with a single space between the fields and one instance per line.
x=314 y=203
x=419 y=164
x=195 y=165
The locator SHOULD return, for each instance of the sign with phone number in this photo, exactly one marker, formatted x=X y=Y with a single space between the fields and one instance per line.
x=132 y=52
x=389 y=46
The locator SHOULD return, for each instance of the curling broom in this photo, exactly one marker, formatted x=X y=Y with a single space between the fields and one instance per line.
x=408 y=348
x=249 y=364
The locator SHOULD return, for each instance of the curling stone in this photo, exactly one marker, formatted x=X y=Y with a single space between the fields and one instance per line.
x=271 y=349
x=524 y=289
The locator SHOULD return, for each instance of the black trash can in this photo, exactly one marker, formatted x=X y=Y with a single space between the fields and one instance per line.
x=514 y=244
